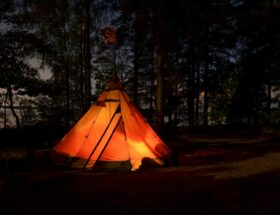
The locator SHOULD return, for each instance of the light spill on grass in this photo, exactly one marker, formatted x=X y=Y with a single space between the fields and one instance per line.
x=249 y=167
x=233 y=169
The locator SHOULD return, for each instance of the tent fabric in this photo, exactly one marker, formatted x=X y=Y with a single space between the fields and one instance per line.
x=113 y=129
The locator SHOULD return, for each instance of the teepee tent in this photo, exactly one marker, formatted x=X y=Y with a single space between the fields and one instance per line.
x=113 y=129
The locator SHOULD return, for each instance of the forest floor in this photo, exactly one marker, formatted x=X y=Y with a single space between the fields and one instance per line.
x=210 y=174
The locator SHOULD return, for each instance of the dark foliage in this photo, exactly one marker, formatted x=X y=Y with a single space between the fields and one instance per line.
x=184 y=63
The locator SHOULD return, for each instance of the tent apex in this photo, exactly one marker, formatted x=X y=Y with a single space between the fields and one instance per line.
x=114 y=84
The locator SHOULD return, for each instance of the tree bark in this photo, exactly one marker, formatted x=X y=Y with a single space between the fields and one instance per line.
x=10 y=95
x=206 y=99
x=138 y=37
x=67 y=77
x=87 y=56
x=160 y=99
x=82 y=80
x=197 y=66
x=191 y=33
x=206 y=78
x=191 y=87
x=136 y=68
x=268 y=100
x=151 y=108
x=160 y=71
x=5 y=110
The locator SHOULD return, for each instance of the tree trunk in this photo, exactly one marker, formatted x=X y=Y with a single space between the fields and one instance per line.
x=82 y=80
x=206 y=86
x=191 y=86
x=10 y=95
x=160 y=99
x=175 y=119
x=5 y=110
x=138 y=36
x=67 y=78
x=197 y=66
x=268 y=101
x=87 y=57
x=136 y=68
x=151 y=88
x=160 y=71
x=206 y=98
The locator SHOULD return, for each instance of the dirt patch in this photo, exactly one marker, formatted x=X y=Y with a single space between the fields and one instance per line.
x=221 y=176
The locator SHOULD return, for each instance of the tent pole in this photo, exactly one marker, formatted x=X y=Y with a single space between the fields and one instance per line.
x=116 y=111
x=86 y=137
x=99 y=156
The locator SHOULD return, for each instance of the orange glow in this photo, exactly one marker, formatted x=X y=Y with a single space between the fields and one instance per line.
x=109 y=35
x=115 y=131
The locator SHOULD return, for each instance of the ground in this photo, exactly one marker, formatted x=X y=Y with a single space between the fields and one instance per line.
x=208 y=174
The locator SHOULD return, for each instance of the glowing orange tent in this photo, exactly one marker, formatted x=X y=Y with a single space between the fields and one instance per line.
x=112 y=130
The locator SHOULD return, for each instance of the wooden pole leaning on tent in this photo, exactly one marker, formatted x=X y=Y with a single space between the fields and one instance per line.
x=99 y=156
x=90 y=163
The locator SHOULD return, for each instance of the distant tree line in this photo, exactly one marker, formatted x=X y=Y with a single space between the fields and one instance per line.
x=184 y=63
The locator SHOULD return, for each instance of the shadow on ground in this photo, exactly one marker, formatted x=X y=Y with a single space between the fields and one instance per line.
x=209 y=175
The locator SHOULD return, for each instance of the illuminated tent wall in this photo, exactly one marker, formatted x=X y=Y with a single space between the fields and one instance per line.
x=112 y=130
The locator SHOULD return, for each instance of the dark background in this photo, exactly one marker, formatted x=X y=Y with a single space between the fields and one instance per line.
x=205 y=75
x=184 y=63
